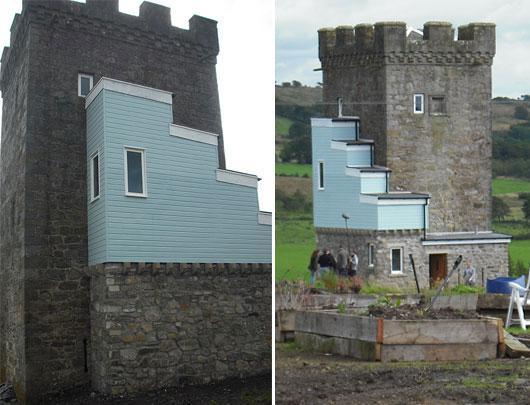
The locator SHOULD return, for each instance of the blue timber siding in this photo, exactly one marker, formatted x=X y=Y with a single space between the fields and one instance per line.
x=373 y=185
x=97 y=234
x=401 y=216
x=188 y=216
x=342 y=192
x=359 y=156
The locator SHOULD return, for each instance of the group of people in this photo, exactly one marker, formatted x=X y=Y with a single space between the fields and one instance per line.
x=323 y=261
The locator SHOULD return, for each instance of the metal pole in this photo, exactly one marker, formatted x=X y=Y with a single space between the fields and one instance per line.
x=414 y=270
x=444 y=284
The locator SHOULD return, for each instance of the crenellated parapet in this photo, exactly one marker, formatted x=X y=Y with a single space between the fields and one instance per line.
x=388 y=42
x=101 y=18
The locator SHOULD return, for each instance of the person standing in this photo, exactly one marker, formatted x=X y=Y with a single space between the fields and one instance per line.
x=313 y=267
x=354 y=264
x=342 y=262
x=470 y=274
x=327 y=262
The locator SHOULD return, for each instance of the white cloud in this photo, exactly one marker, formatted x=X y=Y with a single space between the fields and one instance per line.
x=245 y=73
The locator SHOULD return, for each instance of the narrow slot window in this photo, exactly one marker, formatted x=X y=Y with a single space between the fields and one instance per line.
x=135 y=176
x=371 y=251
x=418 y=103
x=84 y=84
x=94 y=176
x=321 y=175
x=397 y=260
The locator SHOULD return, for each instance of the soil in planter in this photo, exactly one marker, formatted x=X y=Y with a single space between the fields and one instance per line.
x=413 y=312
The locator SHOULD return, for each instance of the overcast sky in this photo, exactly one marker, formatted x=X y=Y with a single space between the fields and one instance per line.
x=245 y=72
x=297 y=22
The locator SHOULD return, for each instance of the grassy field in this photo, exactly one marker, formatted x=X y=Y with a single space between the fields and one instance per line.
x=502 y=186
x=293 y=169
x=295 y=240
x=520 y=250
x=282 y=125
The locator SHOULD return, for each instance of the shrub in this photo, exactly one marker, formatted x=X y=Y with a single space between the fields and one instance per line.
x=499 y=208
x=521 y=112
x=330 y=281
x=517 y=269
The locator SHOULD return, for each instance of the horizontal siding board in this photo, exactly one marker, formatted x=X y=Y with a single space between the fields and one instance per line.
x=188 y=215
x=400 y=217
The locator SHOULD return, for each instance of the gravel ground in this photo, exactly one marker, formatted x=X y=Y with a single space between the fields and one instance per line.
x=251 y=391
x=307 y=378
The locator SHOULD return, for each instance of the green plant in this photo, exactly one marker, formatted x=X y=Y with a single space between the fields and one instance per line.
x=517 y=268
x=464 y=289
x=341 y=307
x=330 y=281
x=376 y=289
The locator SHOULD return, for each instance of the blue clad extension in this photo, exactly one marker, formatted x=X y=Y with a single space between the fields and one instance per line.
x=188 y=211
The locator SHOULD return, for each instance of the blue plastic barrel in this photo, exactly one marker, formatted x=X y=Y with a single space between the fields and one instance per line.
x=500 y=285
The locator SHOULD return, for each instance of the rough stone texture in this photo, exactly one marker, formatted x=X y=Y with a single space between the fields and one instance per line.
x=491 y=258
x=161 y=325
x=377 y=69
x=45 y=327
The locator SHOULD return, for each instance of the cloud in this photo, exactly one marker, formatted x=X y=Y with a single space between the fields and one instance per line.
x=297 y=23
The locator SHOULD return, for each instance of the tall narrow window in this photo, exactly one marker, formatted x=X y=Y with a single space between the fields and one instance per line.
x=320 y=175
x=94 y=176
x=135 y=177
x=84 y=84
x=371 y=252
x=396 y=256
x=418 y=103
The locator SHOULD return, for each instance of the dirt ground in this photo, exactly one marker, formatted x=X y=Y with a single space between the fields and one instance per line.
x=307 y=378
x=250 y=391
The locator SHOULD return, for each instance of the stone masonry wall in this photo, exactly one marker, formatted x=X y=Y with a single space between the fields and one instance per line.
x=161 y=325
x=43 y=254
x=377 y=69
x=492 y=258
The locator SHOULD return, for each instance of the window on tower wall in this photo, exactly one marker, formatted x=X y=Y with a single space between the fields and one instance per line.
x=437 y=106
x=396 y=258
x=418 y=103
x=371 y=253
x=84 y=84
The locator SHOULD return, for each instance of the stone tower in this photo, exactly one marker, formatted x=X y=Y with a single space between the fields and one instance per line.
x=426 y=103
x=44 y=293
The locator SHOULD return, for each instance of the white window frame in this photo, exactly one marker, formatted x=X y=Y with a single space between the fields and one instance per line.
x=321 y=172
x=392 y=271
x=422 y=111
x=142 y=152
x=84 y=76
x=371 y=254
x=92 y=187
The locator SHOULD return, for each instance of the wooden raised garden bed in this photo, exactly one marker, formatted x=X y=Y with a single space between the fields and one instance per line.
x=377 y=339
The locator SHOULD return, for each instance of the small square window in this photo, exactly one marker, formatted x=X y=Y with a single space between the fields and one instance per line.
x=321 y=175
x=135 y=176
x=438 y=106
x=371 y=254
x=94 y=176
x=418 y=103
x=84 y=84
x=396 y=256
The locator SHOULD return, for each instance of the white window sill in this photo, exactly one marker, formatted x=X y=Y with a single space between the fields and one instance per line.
x=398 y=274
x=94 y=199
x=135 y=195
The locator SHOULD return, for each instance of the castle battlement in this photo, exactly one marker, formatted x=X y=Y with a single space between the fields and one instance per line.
x=101 y=18
x=388 y=42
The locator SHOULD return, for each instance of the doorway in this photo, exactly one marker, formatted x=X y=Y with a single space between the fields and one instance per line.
x=437 y=269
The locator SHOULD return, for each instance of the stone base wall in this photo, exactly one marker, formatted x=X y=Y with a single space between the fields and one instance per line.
x=489 y=259
x=162 y=325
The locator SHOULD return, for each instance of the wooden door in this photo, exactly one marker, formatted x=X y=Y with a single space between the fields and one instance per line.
x=437 y=268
